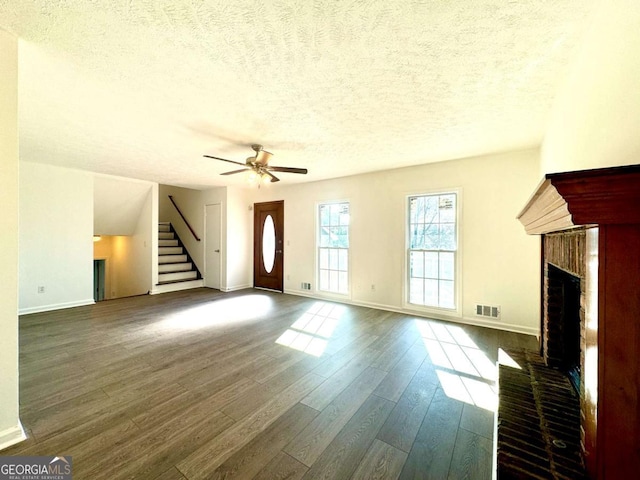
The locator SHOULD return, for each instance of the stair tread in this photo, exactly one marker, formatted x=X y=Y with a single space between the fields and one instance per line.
x=177 y=281
x=173 y=259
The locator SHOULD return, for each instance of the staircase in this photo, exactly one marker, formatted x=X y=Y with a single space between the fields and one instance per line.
x=176 y=270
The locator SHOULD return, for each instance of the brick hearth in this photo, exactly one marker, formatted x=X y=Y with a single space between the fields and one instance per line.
x=538 y=422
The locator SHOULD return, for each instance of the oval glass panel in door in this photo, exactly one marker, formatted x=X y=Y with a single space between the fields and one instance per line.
x=268 y=243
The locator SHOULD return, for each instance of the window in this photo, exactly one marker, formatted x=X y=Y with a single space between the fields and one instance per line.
x=333 y=247
x=432 y=250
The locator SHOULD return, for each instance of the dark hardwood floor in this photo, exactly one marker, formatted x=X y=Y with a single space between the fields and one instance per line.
x=252 y=384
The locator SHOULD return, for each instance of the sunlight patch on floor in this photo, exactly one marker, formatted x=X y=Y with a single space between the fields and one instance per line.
x=505 y=359
x=311 y=332
x=465 y=372
x=219 y=313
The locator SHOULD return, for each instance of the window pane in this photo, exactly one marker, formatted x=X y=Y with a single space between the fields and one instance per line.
x=333 y=236
x=268 y=244
x=431 y=265
x=343 y=260
x=342 y=237
x=414 y=207
x=416 y=266
x=448 y=236
x=447 y=206
x=333 y=259
x=324 y=215
x=430 y=209
x=447 y=265
x=343 y=279
x=416 y=294
x=333 y=280
x=324 y=280
x=431 y=237
x=324 y=258
x=335 y=214
x=431 y=292
x=416 y=239
x=344 y=214
x=446 y=294
x=325 y=240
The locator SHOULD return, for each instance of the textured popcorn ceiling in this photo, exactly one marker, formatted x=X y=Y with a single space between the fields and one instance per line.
x=144 y=88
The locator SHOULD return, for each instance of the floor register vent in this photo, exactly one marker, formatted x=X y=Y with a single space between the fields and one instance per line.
x=489 y=311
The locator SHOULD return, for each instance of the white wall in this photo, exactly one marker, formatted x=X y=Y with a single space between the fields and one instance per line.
x=500 y=263
x=238 y=251
x=10 y=428
x=117 y=202
x=596 y=116
x=133 y=255
x=56 y=237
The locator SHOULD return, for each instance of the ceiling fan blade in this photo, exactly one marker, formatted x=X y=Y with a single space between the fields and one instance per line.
x=273 y=177
x=224 y=160
x=289 y=170
x=235 y=171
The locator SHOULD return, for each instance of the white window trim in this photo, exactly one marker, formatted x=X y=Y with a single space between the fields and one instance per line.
x=436 y=311
x=316 y=288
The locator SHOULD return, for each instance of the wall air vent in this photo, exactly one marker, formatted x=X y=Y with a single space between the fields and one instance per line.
x=489 y=311
x=305 y=286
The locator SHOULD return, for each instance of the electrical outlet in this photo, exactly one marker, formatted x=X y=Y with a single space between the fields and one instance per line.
x=41 y=289
x=373 y=287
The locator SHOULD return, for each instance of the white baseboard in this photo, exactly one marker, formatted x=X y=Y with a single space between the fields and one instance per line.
x=11 y=436
x=302 y=293
x=236 y=288
x=509 y=327
x=55 y=306
x=478 y=322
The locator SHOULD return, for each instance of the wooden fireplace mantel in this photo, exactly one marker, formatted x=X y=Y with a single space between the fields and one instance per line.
x=589 y=197
x=608 y=199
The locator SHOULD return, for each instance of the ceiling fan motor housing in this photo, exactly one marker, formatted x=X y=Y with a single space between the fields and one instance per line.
x=262 y=157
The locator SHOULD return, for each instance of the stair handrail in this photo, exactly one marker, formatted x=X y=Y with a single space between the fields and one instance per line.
x=185 y=220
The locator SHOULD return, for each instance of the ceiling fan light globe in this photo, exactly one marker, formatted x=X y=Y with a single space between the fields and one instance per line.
x=253 y=177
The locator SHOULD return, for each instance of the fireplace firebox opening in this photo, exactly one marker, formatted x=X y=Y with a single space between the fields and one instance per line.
x=563 y=328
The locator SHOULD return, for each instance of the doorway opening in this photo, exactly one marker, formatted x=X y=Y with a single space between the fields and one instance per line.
x=99 y=268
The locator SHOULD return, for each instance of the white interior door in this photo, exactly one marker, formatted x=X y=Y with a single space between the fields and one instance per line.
x=212 y=246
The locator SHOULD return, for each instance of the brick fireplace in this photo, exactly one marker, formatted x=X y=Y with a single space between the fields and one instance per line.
x=562 y=333
x=590 y=326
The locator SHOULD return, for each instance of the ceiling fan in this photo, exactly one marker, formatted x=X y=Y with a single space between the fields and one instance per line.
x=259 y=167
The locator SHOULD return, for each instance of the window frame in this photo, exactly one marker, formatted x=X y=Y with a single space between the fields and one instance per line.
x=456 y=311
x=331 y=293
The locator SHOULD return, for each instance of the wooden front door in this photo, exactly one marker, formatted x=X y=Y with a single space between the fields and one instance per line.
x=268 y=252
